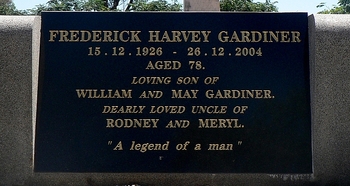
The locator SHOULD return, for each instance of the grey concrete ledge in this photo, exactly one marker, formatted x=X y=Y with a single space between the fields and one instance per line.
x=17 y=22
x=332 y=22
x=330 y=62
x=19 y=51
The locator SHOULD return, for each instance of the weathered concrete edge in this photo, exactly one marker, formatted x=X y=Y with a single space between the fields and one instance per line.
x=331 y=99
x=16 y=51
x=35 y=72
x=312 y=53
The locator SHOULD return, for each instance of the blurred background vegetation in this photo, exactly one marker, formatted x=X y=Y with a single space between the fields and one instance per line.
x=7 y=7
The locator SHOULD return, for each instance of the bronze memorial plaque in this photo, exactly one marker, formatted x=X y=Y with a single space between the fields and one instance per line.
x=174 y=93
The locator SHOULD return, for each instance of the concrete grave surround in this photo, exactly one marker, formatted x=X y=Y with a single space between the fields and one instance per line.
x=19 y=59
x=330 y=94
x=330 y=102
x=201 y=5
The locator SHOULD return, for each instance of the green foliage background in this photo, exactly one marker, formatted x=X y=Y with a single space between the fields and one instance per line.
x=7 y=7
x=343 y=7
x=248 y=5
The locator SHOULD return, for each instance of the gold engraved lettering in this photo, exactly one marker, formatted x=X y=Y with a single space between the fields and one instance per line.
x=274 y=36
x=53 y=35
x=122 y=36
x=167 y=109
x=149 y=146
x=209 y=109
x=185 y=35
x=85 y=36
x=265 y=36
x=156 y=94
x=154 y=36
x=178 y=36
x=198 y=147
x=134 y=36
x=206 y=35
x=150 y=80
x=195 y=37
x=132 y=123
x=116 y=36
x=64 y=36
x=223 y=37
x=101 y=93
x=123 y=109
x=186 y=94
x=228 y=146
x=239 y=94
x=219 y=123
x=119 y=146
x=245 y=36
x=187 y=80
x=285 y=37
x=181 y=124
x=166 y=37
x=107 y=36
x=295 y=37
x=256 y=36
x=74 y=36
x=164 y=65
x=94 y=36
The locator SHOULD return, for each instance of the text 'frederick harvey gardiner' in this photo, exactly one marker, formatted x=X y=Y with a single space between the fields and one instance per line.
x=154 y=36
